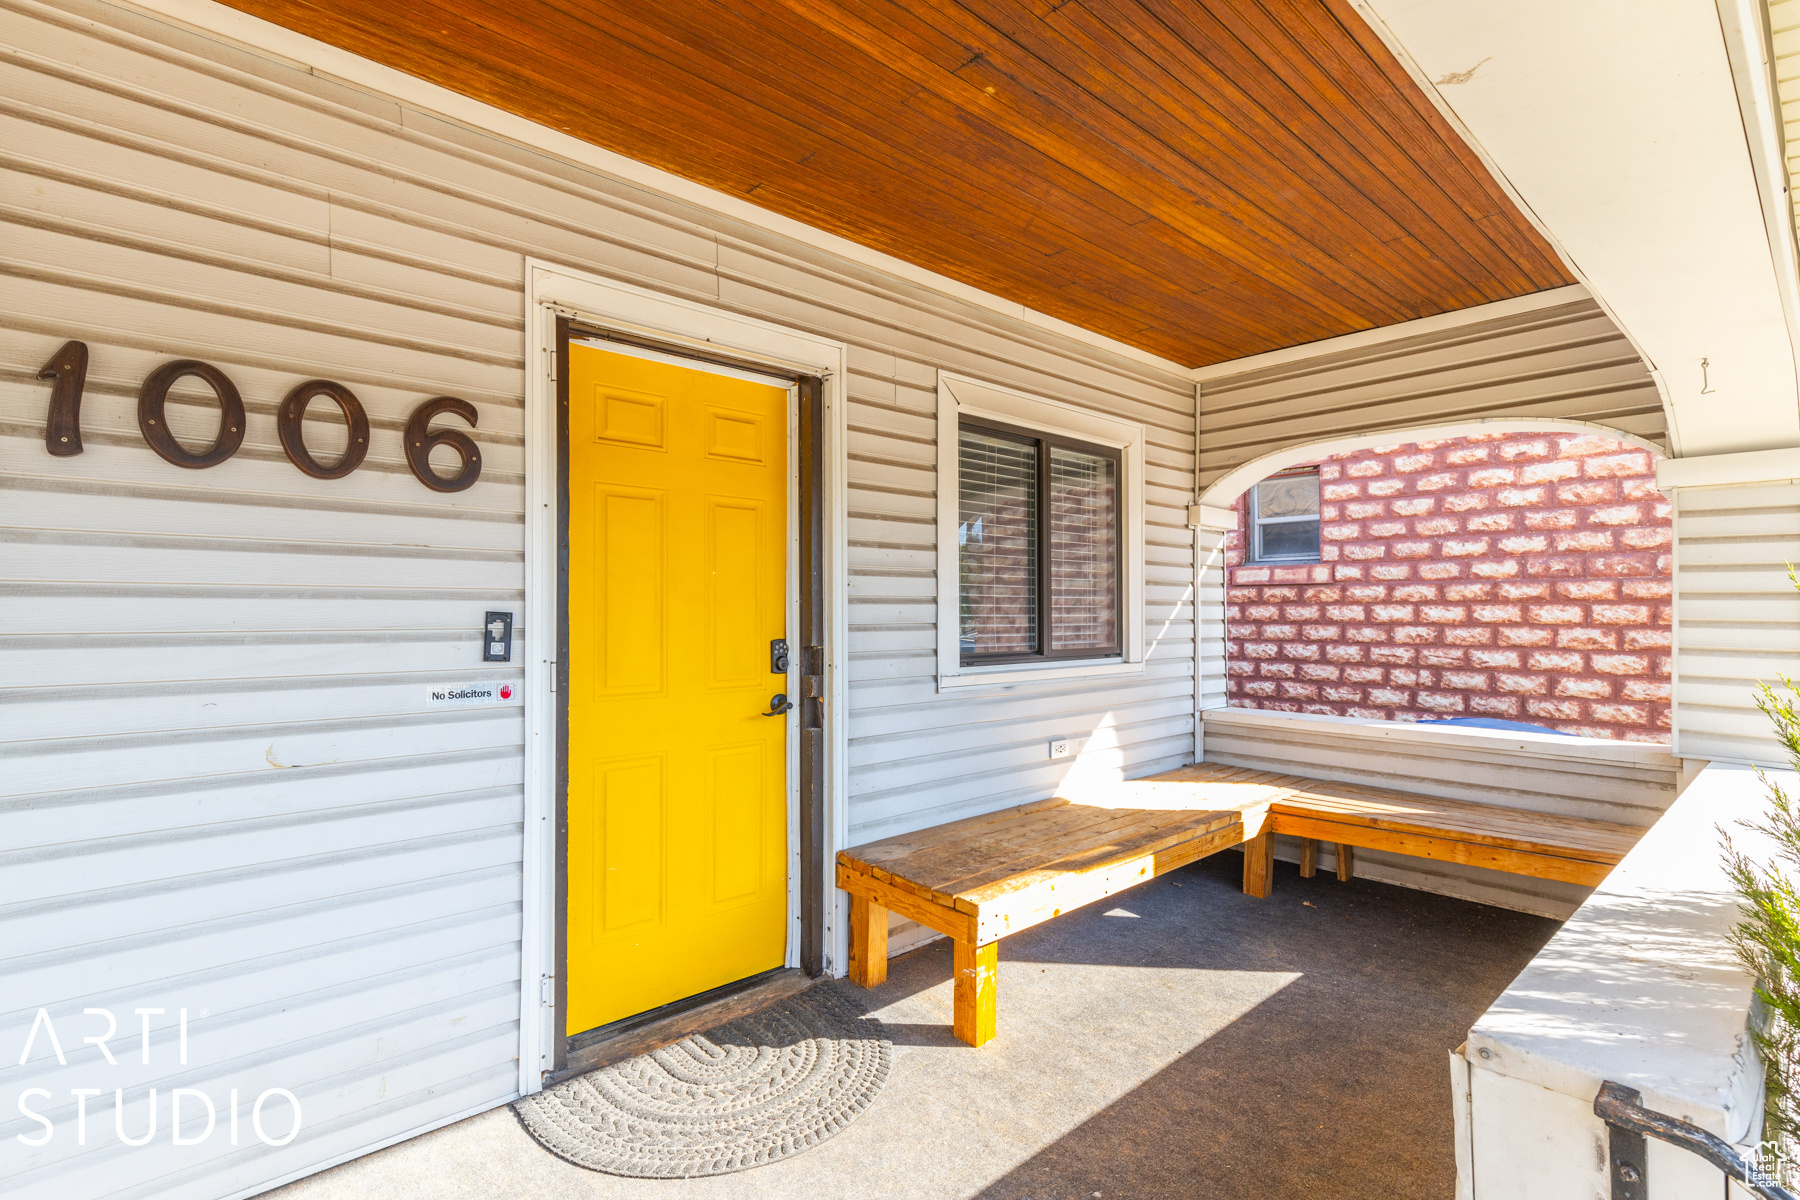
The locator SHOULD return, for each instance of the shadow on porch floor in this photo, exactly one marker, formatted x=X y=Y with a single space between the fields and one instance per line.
x=1187 y=1041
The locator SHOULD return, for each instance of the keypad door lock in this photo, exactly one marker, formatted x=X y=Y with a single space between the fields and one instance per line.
x=778 y=657
x=497 y=637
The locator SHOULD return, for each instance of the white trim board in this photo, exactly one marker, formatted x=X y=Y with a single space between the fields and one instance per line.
x=1574 y=293
x=1208 y=516
x=956 y=395
x=1599 y=751
x=216 y=20
x=1719 y=470
x=1745 y=26
x=552 y=290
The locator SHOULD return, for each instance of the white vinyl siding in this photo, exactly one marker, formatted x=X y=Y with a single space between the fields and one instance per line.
x=1566 y=363
x=1737 y=616
x=1209 y=629
x=223 y=790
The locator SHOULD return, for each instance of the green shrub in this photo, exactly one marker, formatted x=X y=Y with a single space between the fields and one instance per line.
x=1767 y=939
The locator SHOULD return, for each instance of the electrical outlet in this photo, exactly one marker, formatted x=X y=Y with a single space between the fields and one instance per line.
x=1061 y=748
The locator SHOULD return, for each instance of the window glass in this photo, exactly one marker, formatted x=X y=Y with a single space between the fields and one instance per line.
x=1296 y=540
x=1084 y=550
x=1285 y=519
x=997 y=530
x=1038 y=535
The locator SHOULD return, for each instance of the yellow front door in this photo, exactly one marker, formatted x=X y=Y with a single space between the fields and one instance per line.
x=677 y=840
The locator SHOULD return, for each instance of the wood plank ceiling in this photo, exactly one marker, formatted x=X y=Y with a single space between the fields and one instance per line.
x=1204 y=179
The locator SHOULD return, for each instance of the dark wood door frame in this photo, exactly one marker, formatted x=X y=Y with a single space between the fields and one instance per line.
x=811 y=646
x=812 y=677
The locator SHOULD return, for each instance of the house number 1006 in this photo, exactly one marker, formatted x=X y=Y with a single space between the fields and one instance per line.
x=67 y=370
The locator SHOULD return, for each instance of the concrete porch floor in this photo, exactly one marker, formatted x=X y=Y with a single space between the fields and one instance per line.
x=1186 y=1041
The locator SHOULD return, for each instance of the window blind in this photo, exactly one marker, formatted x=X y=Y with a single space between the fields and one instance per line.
x=997 y=530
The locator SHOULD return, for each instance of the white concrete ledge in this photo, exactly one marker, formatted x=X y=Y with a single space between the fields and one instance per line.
x=1639 y=987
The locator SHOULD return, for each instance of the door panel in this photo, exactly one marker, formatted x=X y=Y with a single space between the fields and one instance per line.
x=630 y=540
x=677 y=841
x=738 y=658
x=737 y=832
x=634 y=805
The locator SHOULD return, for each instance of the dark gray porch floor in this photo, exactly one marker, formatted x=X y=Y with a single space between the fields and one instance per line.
x=1186 y=1041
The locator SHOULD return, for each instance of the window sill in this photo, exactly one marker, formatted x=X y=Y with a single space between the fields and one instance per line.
x=1014 y=673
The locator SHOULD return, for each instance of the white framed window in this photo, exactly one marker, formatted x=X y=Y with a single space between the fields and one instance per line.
x=1283 y=515
x=1040 y=538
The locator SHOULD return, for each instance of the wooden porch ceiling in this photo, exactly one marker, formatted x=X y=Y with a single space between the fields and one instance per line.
x=1204 y=179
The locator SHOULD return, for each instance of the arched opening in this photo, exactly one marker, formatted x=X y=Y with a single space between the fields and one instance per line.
x=1518 y=573
x=1226 y=489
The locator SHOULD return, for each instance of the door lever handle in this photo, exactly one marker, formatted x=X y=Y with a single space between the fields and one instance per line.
x=779 y=704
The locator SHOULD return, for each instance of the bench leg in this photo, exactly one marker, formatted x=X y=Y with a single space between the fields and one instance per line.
x=1259 y=864
x=1309 y=857
x=1346 y=856
x=868 y=942
x=976 y=1014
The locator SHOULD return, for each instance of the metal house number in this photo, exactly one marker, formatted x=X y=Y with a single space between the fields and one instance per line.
x=67 y=371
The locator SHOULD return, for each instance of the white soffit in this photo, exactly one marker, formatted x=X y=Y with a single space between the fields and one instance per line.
x=1618 y=125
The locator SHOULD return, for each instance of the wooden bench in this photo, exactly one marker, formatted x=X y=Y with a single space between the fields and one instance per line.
x=980 y=879
x=1541 y=845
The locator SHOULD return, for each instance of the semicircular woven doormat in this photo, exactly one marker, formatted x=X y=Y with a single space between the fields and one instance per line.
x=751 y=1091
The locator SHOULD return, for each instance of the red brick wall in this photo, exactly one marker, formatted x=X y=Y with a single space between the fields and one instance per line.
x=1525 y=578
